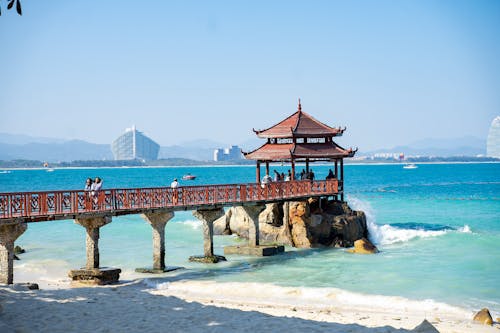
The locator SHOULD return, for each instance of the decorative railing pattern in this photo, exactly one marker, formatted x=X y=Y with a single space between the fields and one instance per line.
x=45 y=205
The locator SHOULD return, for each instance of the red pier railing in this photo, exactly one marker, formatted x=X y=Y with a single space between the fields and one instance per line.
x=50 y=205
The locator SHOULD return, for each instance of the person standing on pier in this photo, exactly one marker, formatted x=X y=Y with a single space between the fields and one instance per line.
x=175 y=194
x=88 y=185
x=96 y=188
x=96 y=185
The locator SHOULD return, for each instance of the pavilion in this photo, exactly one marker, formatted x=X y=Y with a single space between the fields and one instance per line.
x=301 y=138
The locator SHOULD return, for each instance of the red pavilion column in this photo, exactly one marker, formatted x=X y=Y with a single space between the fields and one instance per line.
x=342 y=178
x=257 y=172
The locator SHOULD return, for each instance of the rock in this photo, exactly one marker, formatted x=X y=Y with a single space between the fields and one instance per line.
x=16 y=257
x=350 y=227
x=309 y=223
x=483 y=317
x=425 y=327
x=272 y=215
x=25 y=285
x=300 y=219
x=33 y=286
x=18 y=250
x=207 y=260
x=270 y=234
x=221 y=225
x=364 y=246
x=238 y=221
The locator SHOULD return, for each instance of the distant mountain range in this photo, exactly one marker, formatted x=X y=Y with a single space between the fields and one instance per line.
x=464 y=146
x=14 y=146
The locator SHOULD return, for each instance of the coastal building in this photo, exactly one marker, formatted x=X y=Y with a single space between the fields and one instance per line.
x=133 y=144
x=301 y=138
x=228 y=154
x=493 y=143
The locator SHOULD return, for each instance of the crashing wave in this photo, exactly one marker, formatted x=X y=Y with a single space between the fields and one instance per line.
x=389 y=234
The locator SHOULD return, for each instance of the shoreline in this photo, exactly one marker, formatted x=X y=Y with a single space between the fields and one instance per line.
x=155 y=304
x=240 y=165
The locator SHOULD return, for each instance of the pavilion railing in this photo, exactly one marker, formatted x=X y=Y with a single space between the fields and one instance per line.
x=57 y=203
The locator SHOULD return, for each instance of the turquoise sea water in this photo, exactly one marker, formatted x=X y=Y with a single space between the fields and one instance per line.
x=438 y=229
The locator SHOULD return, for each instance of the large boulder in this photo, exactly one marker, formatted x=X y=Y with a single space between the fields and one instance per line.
x=304 y=224
x=272 y=214
x=483 y=317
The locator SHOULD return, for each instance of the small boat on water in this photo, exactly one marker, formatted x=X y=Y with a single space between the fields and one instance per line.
x=410 y=166
x=188 y=177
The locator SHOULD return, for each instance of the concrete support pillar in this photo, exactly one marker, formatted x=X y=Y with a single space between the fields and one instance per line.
x=207 y=217
x=253 y=213
x=92 y=273
x=92 y=226
x=158 y=221
x=8 y=234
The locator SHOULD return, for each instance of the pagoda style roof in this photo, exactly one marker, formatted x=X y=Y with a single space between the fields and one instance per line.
x=288 y=151
x=301 y=125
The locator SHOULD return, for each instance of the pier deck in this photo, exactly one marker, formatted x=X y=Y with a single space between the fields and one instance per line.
x=156 y=205
x=19 y=207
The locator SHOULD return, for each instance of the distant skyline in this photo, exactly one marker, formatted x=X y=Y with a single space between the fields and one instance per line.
x=392 y=72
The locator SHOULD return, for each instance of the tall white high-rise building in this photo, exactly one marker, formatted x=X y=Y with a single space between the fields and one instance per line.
x=228 y=154
x=133 y=145
x=493 y=143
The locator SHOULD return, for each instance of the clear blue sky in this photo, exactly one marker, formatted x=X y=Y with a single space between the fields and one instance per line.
x=391 y=71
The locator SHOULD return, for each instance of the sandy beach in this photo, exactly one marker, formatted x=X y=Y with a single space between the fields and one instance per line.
x=180 y=305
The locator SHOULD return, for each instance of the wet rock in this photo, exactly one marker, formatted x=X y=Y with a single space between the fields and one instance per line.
x=364 y=246
x=25 y=286
x=207 y=260
x=18 y=250
x=483 y=317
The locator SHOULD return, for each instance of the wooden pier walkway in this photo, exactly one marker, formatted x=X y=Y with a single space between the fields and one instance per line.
x=18 y=207
x=157 y=207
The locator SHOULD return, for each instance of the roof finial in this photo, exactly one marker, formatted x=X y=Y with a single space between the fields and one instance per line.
x=299 y=108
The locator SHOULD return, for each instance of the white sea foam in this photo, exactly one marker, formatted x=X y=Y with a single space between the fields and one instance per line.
x=195 y=224
x=46 y=272
x=387 y=234
x=465 y=229
x=252 y=292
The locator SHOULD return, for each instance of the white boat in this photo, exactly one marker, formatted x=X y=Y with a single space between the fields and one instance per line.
x=410 y=166
x=50 y=170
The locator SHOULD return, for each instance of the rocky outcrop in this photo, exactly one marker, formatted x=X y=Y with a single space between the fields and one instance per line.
x=304 y=224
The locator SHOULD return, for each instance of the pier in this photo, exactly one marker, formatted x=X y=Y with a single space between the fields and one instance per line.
x=299 y=138
x=156 y=205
